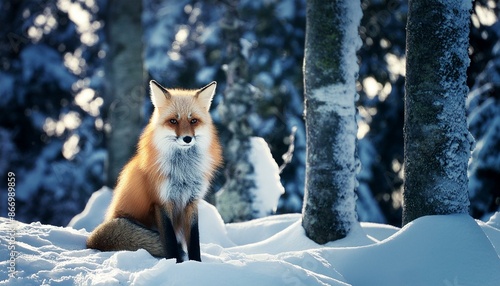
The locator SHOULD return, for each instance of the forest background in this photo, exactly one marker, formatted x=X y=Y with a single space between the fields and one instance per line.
x=54 y=101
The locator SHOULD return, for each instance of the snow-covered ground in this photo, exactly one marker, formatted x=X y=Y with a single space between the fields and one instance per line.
x=436 y=250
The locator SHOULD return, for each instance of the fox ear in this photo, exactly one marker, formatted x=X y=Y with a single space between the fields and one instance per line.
x=205 y=94
x=159 y=94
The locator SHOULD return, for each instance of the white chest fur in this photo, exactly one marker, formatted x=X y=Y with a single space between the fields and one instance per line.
x=184 y=170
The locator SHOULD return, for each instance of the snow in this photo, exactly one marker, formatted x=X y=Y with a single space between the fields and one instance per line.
x=456 y=54
x=286 y=9
x=352 y=41
x=94 y=211
x=432 y=250
x=41 y=62
x=268 y=187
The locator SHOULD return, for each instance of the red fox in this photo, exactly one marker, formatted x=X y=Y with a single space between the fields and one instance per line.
x=154 y=205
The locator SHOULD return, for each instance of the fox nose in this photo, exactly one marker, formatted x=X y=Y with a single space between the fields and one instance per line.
x=187 y=139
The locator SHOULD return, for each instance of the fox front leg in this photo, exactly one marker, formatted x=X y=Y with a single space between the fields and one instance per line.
x=194 y=252
x=167 y=234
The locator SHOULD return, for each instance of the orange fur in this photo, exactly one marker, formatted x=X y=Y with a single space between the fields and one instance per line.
x=135 y=194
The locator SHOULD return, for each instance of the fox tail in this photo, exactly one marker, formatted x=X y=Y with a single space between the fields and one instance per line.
x=125 y=234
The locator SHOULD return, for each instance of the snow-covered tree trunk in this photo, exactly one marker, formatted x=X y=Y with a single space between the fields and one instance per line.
x=330 y=71
x=437 y=142
x=125 y=83
x=235 y=200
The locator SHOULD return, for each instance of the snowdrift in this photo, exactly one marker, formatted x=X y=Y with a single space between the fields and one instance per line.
x=434 y=250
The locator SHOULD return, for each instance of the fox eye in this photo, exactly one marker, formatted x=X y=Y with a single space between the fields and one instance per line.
x=194 y=121
x=173 y=121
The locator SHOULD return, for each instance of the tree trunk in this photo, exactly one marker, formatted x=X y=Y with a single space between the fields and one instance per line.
x=330 y=70
x=437 y=143
x=235 y=200
x=125 y=83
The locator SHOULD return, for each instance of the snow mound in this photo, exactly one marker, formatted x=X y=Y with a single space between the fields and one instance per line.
x=492 y=230
x=94 y=211
x=268 y=189
x=494 y=220
x=434 y=250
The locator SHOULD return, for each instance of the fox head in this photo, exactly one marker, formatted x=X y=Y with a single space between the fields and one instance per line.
x=181 y=118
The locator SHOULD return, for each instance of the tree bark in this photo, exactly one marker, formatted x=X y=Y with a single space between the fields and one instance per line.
x=330 y=71
x=437 y=143
x=125 y=83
